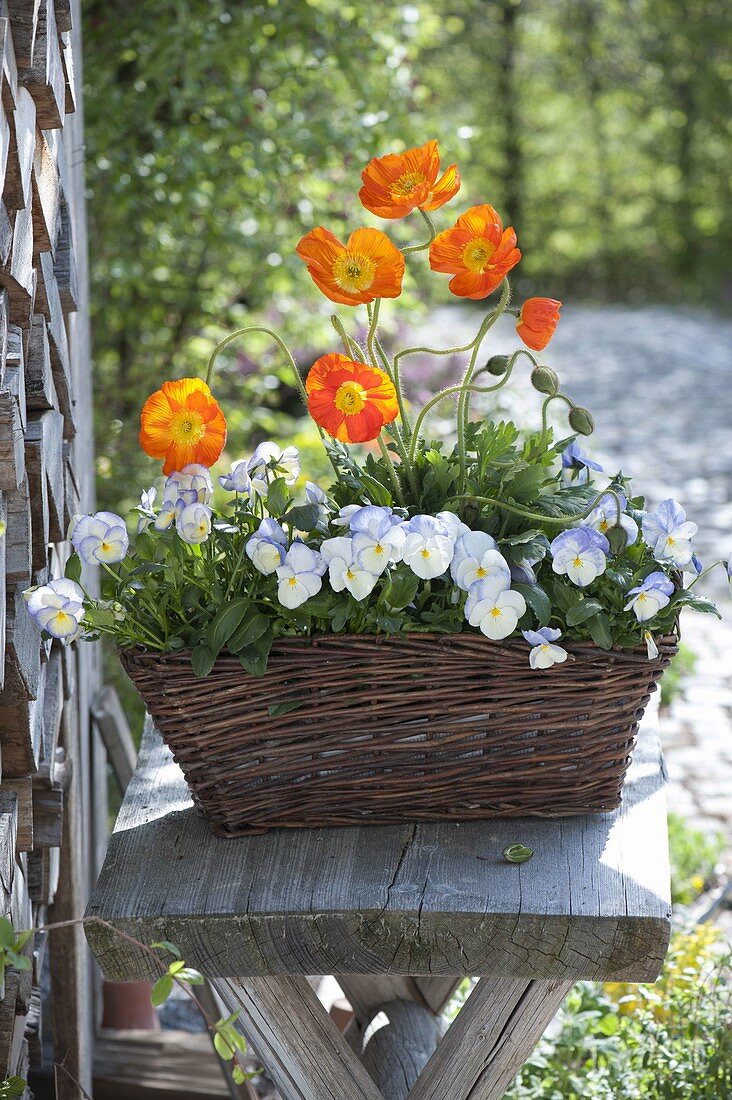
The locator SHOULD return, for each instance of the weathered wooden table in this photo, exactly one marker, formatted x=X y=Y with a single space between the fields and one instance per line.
x=398 y=914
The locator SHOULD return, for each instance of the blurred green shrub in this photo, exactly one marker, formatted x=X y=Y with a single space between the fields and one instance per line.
x=646 y=1042
x=694 y=855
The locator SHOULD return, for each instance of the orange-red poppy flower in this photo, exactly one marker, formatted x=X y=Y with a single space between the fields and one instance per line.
x=369 y=266
x=350 y=400
x=182 y=423
x=395 y=185
x=537 y=321
x=477 y=251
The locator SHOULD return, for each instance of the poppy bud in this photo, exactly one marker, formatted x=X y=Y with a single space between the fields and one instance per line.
x=580 y=421
x=618 y=538
x=545 y=380
x=497 y=364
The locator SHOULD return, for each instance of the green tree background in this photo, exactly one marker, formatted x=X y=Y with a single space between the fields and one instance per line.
x=218 y=133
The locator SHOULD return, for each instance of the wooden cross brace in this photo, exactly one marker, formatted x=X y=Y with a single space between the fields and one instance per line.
x=399 y=915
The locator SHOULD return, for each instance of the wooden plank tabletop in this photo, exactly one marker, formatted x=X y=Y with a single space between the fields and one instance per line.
x=420 y=899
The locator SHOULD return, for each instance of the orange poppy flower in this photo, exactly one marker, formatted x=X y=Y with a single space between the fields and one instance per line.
x=537 y=321
x=182 y=423
x=350 y=400
x=477 y=251
x=369 y=266
x=395 y=185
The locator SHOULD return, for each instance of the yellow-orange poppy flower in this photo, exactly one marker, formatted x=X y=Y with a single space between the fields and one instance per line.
x=537 y=321
x=369 y=266
x=350 y=400
x=182 y=423
x=477 y=251
x=395 y=185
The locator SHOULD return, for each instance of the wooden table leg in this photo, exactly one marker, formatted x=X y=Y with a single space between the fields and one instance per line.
x=477 y=1058
x=490 y=1039
x=303 y=1051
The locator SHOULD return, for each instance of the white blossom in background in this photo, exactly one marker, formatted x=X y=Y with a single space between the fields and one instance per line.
x=237 y=480
x=605 y=516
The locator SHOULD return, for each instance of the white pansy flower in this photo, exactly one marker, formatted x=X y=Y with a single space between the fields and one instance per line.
x=651 y=596
x=544 y=652
x=668 y=533
x=476 y=559
x=581 y=554
x=605 y=516
x=57 y=608
x=494 y=609
x=267 y=546
x=268 y=455
x=237 y=480
x=193 y=523
x=428 y=548
x=300 y=575
x=378 y=538
x=344 y=569
x=101 y=537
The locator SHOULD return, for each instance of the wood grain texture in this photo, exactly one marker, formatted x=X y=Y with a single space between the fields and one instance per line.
x=422 y=900
x=400 y=1040
x=490 y=1039
x=305 y=1054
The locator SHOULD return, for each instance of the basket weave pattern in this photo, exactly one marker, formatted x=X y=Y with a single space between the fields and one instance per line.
x=399 y=729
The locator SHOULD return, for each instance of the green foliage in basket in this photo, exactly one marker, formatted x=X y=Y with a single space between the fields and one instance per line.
x=505 y=532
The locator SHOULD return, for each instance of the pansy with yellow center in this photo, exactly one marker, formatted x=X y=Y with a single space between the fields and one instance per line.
x=428 y=548
x=100 y=538
x=493 y=607
x=477 y=251
x=367 y=267
x=580 y=554
x=58 y=608
x=544 y=652
x=477 y=557
x=650 y=597
x=351 y=400
x=398 y=183
x=182 y=423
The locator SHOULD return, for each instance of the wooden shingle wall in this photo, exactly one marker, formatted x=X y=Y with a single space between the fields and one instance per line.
x=47 y=753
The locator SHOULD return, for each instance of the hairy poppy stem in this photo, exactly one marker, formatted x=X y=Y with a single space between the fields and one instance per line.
x=560 y=520
x=394 y=477
x=433 y=233
x=291 y=361
x=545 y=409
x=463 y=409
x=451 y=390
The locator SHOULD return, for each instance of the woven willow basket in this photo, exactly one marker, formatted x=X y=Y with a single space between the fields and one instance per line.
x=399 y=729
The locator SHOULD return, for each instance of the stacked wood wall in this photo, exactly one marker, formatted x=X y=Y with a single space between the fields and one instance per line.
x=46 y=476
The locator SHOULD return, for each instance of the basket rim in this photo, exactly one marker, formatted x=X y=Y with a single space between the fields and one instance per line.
x=667 y=646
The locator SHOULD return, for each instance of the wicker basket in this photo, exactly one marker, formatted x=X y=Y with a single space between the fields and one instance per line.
x=399 y=729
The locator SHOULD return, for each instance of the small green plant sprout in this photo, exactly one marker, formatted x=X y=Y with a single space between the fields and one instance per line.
x=11 y=945
x=517 y=853
x=11 y=1086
